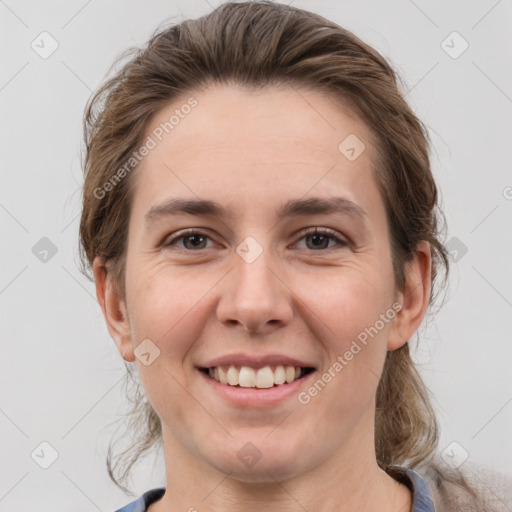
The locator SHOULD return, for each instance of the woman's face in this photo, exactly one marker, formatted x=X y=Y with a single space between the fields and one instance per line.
x=253 y=287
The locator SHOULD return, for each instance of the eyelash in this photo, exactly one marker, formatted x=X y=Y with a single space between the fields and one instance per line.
x=308 y=232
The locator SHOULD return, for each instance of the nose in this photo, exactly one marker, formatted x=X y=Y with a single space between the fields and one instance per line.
x=255 y=296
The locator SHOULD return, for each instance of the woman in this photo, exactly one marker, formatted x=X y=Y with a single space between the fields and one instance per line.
x=262 y=224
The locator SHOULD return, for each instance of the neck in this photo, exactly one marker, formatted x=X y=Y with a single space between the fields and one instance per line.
x=349 y=481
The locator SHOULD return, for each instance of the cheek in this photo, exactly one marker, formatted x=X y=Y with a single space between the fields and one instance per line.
x=350 y=301
x=356 y=317
x=170 y=309
x=164 y=306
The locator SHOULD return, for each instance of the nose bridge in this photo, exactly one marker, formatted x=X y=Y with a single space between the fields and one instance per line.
x=254 y=296
x=252 y=273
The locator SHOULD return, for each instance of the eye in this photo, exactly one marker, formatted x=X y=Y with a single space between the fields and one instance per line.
x=192 y=240
x=320 y=238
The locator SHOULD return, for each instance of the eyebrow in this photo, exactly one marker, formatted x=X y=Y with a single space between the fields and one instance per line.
x=292 y=208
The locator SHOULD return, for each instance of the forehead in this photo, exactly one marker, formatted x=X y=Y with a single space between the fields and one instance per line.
x=257 y=143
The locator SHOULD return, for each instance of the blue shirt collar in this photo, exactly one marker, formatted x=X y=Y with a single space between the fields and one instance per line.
x=421 y=496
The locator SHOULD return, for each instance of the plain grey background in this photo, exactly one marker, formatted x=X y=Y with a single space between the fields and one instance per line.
x=61 y=375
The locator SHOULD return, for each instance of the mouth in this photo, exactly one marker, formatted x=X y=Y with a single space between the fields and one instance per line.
x=259 y=378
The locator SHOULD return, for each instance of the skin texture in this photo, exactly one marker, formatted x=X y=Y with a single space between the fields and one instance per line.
x=251 y=151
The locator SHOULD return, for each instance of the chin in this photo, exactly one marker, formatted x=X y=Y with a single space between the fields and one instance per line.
x=263 y=472
x=259 y=462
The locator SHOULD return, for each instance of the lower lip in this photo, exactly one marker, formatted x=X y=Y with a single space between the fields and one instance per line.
x=256 y=397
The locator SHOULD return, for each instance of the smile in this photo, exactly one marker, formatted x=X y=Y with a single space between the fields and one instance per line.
x=261 y=378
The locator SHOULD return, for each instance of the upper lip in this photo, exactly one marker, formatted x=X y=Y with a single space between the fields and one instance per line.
x=255 y=361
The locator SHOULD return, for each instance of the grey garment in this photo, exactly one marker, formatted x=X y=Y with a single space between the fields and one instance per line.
x=492 y=489
x=422 y=499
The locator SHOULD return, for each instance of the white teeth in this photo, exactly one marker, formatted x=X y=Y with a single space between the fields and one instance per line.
x=279 y=375
x=264 y=377
x=247 y=377
x=223 y=375
x=233 y=376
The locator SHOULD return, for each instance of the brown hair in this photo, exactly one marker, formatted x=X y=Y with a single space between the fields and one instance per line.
x=260 y=44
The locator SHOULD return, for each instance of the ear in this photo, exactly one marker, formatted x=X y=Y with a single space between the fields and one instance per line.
x=114 y=310
x=414 y=297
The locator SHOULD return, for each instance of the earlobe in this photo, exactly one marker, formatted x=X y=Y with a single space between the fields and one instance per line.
x=114 y=310
x=414 y=298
